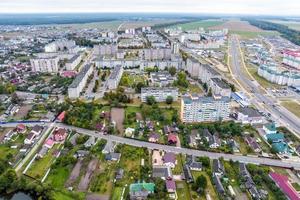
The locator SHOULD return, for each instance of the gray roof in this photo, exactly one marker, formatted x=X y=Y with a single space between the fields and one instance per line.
x=80 y=76
x=115 y=72
x=73 y=58
x=251 y=112
x=220 y=83
x=161 y=171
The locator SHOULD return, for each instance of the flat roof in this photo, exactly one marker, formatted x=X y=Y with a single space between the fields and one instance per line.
x=220 y=83
x=80 y=76
x=115 y=72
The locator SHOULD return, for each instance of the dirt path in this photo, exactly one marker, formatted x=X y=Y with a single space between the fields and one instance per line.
x=74 y=174
x=118 y=115
x=85 y=180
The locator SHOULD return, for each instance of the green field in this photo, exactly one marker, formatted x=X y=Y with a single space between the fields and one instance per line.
x=250 y=35
x=292 y=106
x=198 y=24
x=291 y=24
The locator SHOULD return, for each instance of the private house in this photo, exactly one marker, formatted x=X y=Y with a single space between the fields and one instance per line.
x=253 y=144
x=21 y=128
x=113 y=156
x=270 y=128
x=212 y=139
x=172 y=138
x=153 y=137
x=249 y=183
x=59 y=135
x=171 y=186
x=61 y=116
x=162 y=172
x=275 y=137
x=170 y=130
x=49 y=143
x=218 y=184
x=109 y=147
x=285 y=186
x=280 y=147
x=90 y=142
x=218 y=167
x=30 y=138
x=235 y=147
x=187 y=174
x=119 y=174
x=194 y=138
x=43 y=151
x=193 y=164
x=169 y=159
x=37 y=130
x=129 y=132
x=81 y=153
x=141 y=190
x=73 y=139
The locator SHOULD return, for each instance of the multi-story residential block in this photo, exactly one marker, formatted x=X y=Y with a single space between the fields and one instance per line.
x=60 y=45
x=159 y=93
x=115 y=77
x=73 y=62
x=291 y=58
x=161 y=79
x=272 y=74
x=106 y=49
x=204 y=109
x=193 y=67
x=156 y=54
x=46 y=64
x=79 y=82
x=219 y=87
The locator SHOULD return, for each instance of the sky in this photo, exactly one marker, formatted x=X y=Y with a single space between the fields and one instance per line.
x=256 y=7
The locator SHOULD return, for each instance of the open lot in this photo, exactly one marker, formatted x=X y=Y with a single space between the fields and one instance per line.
x=117 y=115
x=199 y=24
x=292 y=106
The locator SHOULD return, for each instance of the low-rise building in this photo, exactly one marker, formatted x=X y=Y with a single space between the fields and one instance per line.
x=248 y=115
x=159 y=93
x=80 y=81
x=161 y=79
x=141 y=190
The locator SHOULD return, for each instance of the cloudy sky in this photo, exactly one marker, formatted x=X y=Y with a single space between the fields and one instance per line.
x=270 y=7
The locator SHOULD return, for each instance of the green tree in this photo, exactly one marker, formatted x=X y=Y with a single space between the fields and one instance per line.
x=151 y=100
x=169 y=100
x=172 y=71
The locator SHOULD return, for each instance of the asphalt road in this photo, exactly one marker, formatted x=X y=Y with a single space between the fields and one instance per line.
x=178 y=150
x=260 y=99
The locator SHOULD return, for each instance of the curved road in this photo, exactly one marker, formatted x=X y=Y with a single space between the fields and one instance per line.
x=282 y=115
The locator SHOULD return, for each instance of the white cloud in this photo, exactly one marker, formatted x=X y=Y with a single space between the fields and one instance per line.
x=271 y=7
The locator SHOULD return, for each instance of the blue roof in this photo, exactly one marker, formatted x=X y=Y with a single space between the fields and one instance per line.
x=280 y=147
x=275 y=136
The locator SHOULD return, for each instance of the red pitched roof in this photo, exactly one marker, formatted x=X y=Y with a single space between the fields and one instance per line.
x=172 y=138
x=284 y=184
x=292 y=53
x=61 y=116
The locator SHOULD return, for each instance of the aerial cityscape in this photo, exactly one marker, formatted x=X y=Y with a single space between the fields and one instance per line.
x=131 y=100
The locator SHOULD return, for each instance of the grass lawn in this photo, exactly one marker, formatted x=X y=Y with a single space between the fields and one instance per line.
x=210 y=188
x=6 y=150
x=250 y=34
x=183 y=190
x=178 y=168
x=292 y=106
x=117 y=193
x=102 y=182
x=263 y=82
x=58 y=177
x=198 y=24
x=40 y=166
x=65 y=195
x=296 y=186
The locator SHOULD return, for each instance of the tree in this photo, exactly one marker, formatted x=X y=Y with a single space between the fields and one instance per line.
x=209 y=93
x=151 y=100
x=172 y=71
x=205 y=86
x=169 y=100
x=200 y=184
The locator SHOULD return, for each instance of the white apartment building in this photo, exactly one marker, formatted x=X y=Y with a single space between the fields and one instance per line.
x=59 y=45
x=49 y=64
x=219 y=87
x=281 y=78
x=156 y=54
x=159 y=93
x=204 y=109
x=115 y=77
x=291 y=58
x=106 y=49
x=73 y=62
x=79 y=82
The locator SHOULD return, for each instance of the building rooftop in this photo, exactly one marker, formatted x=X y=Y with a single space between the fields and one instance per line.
x=115 y=72
x=80 y=76
x=203 y=99
x=251 y=112
x=220 y=83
